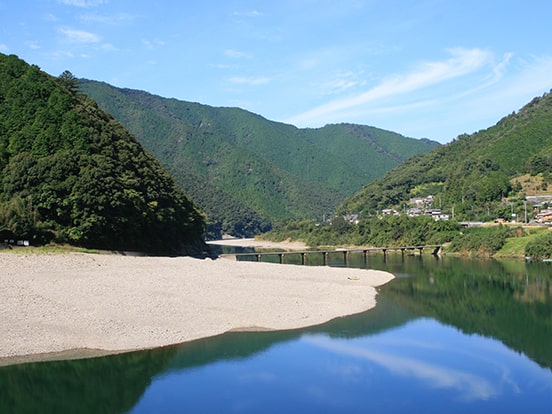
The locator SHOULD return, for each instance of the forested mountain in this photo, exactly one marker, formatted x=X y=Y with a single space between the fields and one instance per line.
x=69 y=172
x=246 y=171
x=474 y=172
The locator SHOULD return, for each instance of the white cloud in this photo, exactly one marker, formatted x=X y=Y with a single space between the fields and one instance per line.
x=32 y=45
x=223 y=66
x=343 y=81
x=510 y=91
x=62 y=54
x=462 y=62
x=534 y=76
x=242 y=80
x=49 y=17
x=83 y=3
x=471 y=387
x=79 y=36
x=446 y=109
x=236 y=54
x=251 y=13
x=107 y=19
x=4 y=48
x=152 y=44
x=108 y=47
x=308 y=63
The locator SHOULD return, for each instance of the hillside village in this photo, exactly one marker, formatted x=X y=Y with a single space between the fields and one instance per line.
x=539 y=210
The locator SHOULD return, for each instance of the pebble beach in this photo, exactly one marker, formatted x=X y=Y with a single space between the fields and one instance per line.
x=57 y=305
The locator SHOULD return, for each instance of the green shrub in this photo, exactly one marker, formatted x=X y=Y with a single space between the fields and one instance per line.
x=540 y=248
x=482 y=241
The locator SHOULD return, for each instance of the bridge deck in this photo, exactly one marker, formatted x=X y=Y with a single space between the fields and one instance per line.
x=325 y=253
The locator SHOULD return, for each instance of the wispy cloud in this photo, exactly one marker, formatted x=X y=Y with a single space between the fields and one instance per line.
x=342 y=82
x=250 y=13
x=79 y=36
x=50 y=17
x=223 y=66
x=236 y=54
x=107 y=19
x=83 y=3
x=4 y=48
x=509 y=90
x=471 y=387
x=534 y=76
x=460 y=63
x=253 y=81
x=108 y=47
x=32 y=45
x=152 y=44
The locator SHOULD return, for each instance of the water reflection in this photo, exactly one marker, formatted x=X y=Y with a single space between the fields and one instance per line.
x=448 y=335
x=507 y=300
x=420 y=364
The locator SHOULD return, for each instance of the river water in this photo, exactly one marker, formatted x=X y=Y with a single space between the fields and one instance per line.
x=448 y=335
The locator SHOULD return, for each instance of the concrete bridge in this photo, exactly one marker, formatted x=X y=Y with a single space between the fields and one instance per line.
x=325 y=253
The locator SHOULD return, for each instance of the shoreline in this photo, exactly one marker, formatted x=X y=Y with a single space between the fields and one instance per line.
x=75 y=305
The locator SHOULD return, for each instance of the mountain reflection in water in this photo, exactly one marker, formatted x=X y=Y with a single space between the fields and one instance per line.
x=450 y=334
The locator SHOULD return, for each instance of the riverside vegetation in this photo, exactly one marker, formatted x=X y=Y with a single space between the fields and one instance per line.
x=396 y=231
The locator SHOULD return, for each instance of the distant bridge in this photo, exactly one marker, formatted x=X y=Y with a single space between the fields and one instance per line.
x=325 y=253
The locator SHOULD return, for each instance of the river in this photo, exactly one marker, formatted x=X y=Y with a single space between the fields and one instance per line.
x=448 y=335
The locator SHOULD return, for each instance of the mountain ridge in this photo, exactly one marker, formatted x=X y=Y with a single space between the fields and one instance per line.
x=276 y=170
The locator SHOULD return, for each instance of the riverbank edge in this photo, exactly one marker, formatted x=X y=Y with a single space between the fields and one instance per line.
x=90 y=352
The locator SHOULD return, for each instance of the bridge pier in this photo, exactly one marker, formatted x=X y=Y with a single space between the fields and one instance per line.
x=346 y=257
x=346 y=253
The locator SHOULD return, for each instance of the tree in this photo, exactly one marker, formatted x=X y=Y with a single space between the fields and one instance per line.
x=68 y=81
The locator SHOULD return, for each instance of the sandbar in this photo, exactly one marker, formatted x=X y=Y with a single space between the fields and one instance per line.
x=54 y=304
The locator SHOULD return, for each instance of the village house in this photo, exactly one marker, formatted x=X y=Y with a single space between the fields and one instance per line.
x=545 y=217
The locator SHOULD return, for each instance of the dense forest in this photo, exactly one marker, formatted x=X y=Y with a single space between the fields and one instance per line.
x=70 y=173
x=247 y=172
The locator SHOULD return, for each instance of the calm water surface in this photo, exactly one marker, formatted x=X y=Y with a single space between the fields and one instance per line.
x=448 y=335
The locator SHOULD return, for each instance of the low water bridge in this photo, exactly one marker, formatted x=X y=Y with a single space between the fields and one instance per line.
x=345 y=252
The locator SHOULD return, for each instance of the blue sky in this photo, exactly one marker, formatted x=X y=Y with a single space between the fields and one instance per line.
x=423 y=68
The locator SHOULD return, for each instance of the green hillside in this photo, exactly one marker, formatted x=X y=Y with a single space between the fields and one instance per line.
x=473 y=173
x=273 y=170
x=70 y=173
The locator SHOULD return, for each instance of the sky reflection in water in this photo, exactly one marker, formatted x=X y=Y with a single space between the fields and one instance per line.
x=422 y=365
